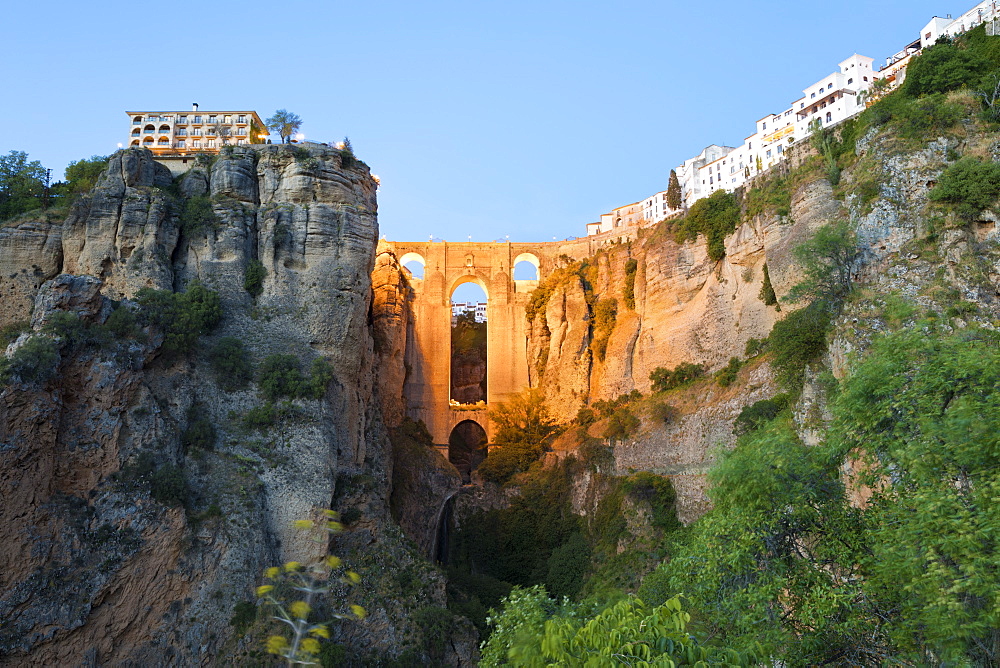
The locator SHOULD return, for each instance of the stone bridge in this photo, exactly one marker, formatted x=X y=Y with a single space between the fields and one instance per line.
x=447 y=266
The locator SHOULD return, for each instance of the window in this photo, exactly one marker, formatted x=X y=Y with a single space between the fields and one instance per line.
x=850 y=81
x=241 y=119
x=769 y=153
x=196 y=143
x=180 y=143
x=781 y=149
x=182 y=119
x=197 y=119
x=763 y=126
x=210 y=143
x=813 y=95
x=866 y=78
x=229 y=119
x=182 y=132
x=829 y=117
x=213 y=119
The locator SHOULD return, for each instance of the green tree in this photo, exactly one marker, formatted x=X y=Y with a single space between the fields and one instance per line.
x=767 y=294
x=182 y=317
x=674 y=192
x=714 y=217
x=523 y=419
x=942 y=68
x=81 y=175
x=231 y=363
x=22 y=184
x=829 y=260
x=971 y=185
x=285 y=123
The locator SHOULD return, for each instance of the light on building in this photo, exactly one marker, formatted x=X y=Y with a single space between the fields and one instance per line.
x=299 y=137
x=119 y=144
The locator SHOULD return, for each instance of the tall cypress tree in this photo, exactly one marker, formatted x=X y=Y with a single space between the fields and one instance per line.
x=673 y=191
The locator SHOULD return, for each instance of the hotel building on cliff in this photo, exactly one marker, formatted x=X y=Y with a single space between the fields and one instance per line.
x=182 y=132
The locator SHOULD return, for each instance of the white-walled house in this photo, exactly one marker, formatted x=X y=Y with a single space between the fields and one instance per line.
x=989 y=10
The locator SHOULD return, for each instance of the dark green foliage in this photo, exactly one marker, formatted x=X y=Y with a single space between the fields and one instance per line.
x=568 y=564
x=622 y=424
x=942 y=68
x=726 y=376
x=595 y=454
x=267 y=415
x=797 y=340
x=605 y=407
x=35 y=361
x=416 y=430
x=200 y=432
x=774 y=194
x=585 y=417
x=767 y=290
x=9 y=333
x=350 y=516
x=197 y=215
x=714 y=217
x=971 y=185
x=253 y=278
x=659 y=493
x=605 y=312
x=829 y=261
x=755 y=347
x=668 y=379
x=22 y=184
x=435 y=624
x=123 y=323
x=182 y=316
x=82 y=175
x=628 y=291
x=759 y=413
x=662 y=412
x=168 y=485
x=523 y=419
x=674 y=191
x=928 y=117
x=244 y=614
x=505 y=461
x=67 y=327
x=281 y=376
x=231 y=363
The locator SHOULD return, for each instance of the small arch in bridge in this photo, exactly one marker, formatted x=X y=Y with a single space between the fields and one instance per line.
x=470 y=278
x=467 y=447
x=526 y=267
x=413 y=263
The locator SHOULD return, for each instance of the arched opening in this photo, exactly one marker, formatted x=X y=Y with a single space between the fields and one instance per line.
x=137 y=119
x=149 y=129
x=468 y=343
x=136 y=132
x=148 y=141
x=413 y=263
x=164 y=141
x=526 y=267
x=135 y=142
x=467 y=448
x=164 y=129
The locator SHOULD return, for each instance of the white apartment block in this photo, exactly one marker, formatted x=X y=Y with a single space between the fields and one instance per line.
x=477 y=308
x=177 y=133
x=989 y=10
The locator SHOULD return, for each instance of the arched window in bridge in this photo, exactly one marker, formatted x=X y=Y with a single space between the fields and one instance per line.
x=526 y=267
x=467 y=447
x=413 y=263
x=468 y=344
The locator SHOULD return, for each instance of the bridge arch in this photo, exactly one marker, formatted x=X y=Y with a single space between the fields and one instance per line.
x=467 y=447
x=411 y=258
x=477 y=278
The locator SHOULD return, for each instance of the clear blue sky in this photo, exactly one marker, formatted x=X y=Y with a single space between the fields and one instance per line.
x=527 y=119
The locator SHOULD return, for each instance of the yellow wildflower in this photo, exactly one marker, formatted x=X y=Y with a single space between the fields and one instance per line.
x=272 y=572
x=333 y=562
x=358 y=611
x=263 y=590
x=300 y=609
x=276 y=644
x=320 y=631
x=303 y=524
x=292 y=566
x=310 y=646
x=353 y=577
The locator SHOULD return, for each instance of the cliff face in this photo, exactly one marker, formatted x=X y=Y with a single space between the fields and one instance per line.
x=109 y=575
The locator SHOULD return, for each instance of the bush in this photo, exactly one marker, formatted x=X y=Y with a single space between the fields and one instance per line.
x=797 y=340
x=200 y=432
x=231 y=363
x=9 y=333
x=505 y=461
x=662 y=412
x=605 y=312
x=244 y=614
x=726 y=376
x=667 y=379
x=659 y=493
x=197 y=215
x=182 y=317
x=928 y=116
x=35 y=361
x=767 y=290
x=622 y=424
x=568 y=564
x=595 y=454
x=168 y=485
x=758 y=414
x=416 y=430
x=971 y=185
x=585 y=417
x=605 y=407
x=943 y=68
x=628 y=292
x=281 y=376
x=253 y=278
x=714 y=217
x=123 y=323
x=755 y=347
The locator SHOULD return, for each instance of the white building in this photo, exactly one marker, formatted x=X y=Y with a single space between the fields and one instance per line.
x=989 y=10
x=690 y=173
x=478 y=308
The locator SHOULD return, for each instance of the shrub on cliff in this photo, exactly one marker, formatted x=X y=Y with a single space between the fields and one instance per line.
x=182 y=316
x=231 y=363
x=628 y=291
x=605 y=312
x=668 y=379
x=797 y=340
x=281 y=376
x=622 y=424
x=713 y=217
x=197 y=215
x=253 y=278
x=726 y=376
x=759 y=413
x=35 y=361
x=970 y=185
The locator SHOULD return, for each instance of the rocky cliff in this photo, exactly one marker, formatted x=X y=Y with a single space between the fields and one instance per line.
x=99 y=571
